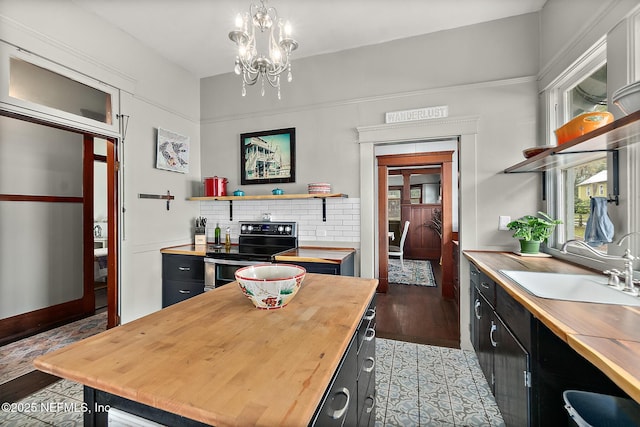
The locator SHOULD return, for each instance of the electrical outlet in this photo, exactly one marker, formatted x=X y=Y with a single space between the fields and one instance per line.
x=321 y=233
x=503 y=220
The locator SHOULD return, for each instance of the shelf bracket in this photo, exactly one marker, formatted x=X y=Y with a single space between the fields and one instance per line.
x=230 y=210
x=324 y=209
x=616 y=179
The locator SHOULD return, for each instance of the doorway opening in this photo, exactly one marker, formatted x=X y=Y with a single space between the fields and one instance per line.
x=415 y=191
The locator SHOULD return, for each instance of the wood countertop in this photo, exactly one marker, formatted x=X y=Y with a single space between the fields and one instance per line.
x=197 y=250
x=605 y=334
x=301 y=254
x=316 y=254
x=217 y=359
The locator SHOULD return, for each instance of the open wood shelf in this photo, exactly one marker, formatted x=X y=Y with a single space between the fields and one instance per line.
x=612 y=137
x=231 y=199
x=272 y=197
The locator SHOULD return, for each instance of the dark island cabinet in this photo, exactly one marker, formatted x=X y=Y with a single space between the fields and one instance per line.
x=182 y=277
x=526 y=365
x=351 y=396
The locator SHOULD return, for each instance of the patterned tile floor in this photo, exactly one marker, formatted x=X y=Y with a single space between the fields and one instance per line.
x=417 y=385
x=423 y=385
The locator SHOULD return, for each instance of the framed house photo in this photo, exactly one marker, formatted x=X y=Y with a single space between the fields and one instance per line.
x=268 y=157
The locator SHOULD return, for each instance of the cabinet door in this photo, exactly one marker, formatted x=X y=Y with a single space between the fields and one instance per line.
x=475 y=317
x=512 y=377
x=486 y=330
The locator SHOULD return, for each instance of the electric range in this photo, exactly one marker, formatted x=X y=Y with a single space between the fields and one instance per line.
x=258 y=243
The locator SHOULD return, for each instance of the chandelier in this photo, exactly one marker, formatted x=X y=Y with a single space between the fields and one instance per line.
x=252 y=65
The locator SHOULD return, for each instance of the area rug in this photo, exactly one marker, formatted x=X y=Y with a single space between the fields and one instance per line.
x=415 y=272
x=16 y=359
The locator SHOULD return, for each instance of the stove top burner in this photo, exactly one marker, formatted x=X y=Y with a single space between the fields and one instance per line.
x=259 y=241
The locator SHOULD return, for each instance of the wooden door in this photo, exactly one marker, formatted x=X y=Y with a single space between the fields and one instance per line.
x=423 y=241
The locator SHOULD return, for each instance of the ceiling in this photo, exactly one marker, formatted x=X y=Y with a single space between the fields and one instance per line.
x=194 y=33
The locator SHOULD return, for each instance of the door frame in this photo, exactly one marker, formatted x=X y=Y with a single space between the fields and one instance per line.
x=443 y=159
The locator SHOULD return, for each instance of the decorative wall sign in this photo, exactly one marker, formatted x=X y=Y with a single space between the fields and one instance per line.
x=172 y=151
x=438 y=112
x=268 y=157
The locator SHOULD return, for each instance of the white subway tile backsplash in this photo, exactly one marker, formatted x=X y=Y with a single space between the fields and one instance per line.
x=342 y=224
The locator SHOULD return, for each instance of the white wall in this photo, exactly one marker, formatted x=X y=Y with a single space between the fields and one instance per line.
x=155 y=93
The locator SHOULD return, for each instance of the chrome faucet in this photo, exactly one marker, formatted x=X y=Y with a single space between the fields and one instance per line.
x=628 y=262
x=627 y=258
x=583 y=244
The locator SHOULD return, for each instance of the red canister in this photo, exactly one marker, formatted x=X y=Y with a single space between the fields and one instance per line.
x=215 y=186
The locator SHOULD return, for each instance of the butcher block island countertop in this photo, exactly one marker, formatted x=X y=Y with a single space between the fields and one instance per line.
x=607 y=335
x=217 y=359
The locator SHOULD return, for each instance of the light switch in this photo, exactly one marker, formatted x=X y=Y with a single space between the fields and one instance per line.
x=503 y=220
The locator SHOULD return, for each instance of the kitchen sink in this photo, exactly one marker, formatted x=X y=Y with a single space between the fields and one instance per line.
x=571 y=287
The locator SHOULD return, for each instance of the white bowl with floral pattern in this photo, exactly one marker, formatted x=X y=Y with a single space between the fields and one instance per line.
x=270 y=286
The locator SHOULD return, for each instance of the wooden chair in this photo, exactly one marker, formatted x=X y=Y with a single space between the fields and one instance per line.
x=399 y=250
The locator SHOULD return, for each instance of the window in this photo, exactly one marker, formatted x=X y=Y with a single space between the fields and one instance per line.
x=48 y=91
x=582 y=89
x=29 y=82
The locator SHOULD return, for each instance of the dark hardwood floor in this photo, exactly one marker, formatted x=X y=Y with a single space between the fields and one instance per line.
x=418 y=314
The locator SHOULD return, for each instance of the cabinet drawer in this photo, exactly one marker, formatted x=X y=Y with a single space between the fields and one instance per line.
x=515 y=315
x=176 y=291
x=367 y=400
x=182 y=267
x=487 y=289
x=339 y=406
x=366 y=331
x=367 y=355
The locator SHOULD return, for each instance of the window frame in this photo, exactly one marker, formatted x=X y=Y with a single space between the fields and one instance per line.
x=556 y=180
x=49 y=114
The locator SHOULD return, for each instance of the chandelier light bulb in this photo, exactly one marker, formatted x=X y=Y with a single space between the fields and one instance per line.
x=276 y=56
x=275 y=34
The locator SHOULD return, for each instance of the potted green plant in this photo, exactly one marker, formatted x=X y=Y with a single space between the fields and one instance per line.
x=533 y=230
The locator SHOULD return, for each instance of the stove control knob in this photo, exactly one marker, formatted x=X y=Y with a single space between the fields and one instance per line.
x=249 y=228
x=288 y=229
x=243 y=228
x=280 y=229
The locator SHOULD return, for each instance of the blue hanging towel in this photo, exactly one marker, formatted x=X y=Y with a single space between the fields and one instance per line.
x=599 y=228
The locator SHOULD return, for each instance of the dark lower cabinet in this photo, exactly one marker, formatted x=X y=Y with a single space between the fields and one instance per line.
x=345 y=268
x=182 y=277
x=526 y=365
